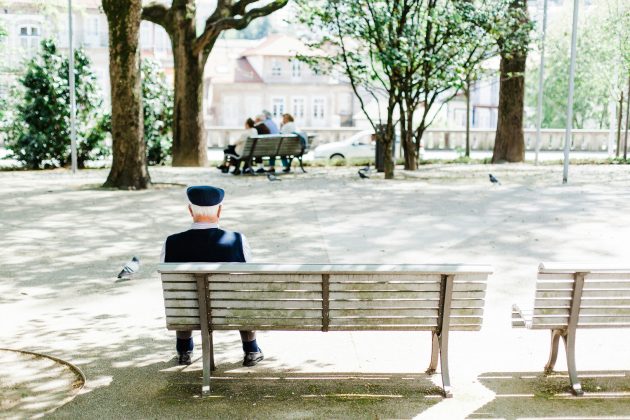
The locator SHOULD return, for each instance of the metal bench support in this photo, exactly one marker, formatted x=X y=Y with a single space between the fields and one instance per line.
x=207 y=353
x=439 y=338
x=568 y=336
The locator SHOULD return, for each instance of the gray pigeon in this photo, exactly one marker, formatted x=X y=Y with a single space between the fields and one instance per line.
x=272 y=177
x=362 y=174
x=130 y=268
x=493 y=179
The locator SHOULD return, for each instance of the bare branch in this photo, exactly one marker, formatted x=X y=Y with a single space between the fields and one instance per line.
x=227 y=17
x=158 y=14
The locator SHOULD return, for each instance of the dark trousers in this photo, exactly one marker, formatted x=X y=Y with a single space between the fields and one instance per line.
x=246 y=336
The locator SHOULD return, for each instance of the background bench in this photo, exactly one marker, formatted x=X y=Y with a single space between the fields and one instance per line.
x=274 y=145
x=327 y=297
x=569 y=297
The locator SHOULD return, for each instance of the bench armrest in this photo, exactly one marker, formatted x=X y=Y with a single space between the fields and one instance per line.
x=518 y=320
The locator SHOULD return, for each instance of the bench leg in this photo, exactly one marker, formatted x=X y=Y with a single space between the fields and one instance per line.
x=553 y=354
x=569 y=344
x=212 y=365
x=435 y=348
x=446 y=380
x=301 y=166
x=206 y=346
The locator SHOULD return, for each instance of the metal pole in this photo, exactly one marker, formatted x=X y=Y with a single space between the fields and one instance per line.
x=73 y=105
x=541 y=74
x=567 y=138
x=625 y=137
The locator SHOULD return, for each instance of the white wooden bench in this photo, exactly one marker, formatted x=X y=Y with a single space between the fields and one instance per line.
x=273 y=145
x=325 y=297
x=575 y=296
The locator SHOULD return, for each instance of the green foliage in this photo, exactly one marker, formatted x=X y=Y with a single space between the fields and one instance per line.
x=39 y=134
x=601 y=71
x=408 y=53
x=157 y=102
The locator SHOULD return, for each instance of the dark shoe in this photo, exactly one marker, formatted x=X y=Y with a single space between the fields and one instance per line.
x=252 y=358
x=221 y=167
x=260 y=170
x=286 y=170
x=184 y=358
x=248 y=171
x=236 y=172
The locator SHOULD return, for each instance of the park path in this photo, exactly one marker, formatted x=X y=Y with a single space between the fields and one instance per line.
x=64 y=239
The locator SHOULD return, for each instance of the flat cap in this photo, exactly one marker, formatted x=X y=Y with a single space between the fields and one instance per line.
x=205 y=195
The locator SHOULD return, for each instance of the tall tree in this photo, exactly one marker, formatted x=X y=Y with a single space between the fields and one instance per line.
x=129 y=164
x=512 y=29
x=190 y=53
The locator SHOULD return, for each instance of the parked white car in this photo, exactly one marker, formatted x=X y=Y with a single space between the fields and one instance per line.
x=359 y=145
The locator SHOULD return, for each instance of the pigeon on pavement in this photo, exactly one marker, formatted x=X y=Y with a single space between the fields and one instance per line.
x=272 y=177
x=130 y=268
x=362 y=174
x=493 y=179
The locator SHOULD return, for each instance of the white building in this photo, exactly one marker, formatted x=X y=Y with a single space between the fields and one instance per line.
x=241 y=82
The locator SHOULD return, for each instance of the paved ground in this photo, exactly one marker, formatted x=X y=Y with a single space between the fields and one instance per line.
x=64 y=239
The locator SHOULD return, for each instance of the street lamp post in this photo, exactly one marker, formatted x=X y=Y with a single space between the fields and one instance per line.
x=567 y=138
x=73 y=105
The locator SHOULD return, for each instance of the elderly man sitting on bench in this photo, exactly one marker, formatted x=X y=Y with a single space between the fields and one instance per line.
x=206 y=242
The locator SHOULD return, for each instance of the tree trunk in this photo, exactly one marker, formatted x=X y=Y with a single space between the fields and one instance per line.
x=509 y=143
x=411 y=158
x=189 y=137
x=129 y=165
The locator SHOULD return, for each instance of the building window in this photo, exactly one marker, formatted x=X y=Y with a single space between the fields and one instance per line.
x=276 y=68
x=277 y=107
x=319 y=105
x=29 y=37
x=298 y=108
x=296 y=69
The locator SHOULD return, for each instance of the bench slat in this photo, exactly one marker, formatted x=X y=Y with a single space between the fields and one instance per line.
x=176 y=277
x=597 y=293
x=260 y=295
x=266 y=304
x=385 y=287
x=181 y=303
x=179 y=285
x=261 y=278
x=183 y=320
x=261 y=327
x=182 y=327
x=554 y=294
x=183 y=312
x=256 y=322
x=384 y=303
x=382 y=322
x=267 y=286
x=180 y=295
x=264 y=313
x=400 y=312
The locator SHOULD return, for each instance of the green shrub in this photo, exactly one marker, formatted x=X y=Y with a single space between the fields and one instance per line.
x=39 y=133
x=157 y=103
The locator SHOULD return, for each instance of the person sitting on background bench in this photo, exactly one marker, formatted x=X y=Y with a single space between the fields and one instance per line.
x=233 y=152
x=206 y=242
x=261 y=128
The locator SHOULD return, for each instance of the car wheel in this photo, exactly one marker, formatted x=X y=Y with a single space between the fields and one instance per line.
x=336 y=157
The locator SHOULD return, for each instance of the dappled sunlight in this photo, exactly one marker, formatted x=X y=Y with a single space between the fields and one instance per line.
x=64 y=239
x=32 y=385
x=535 y=395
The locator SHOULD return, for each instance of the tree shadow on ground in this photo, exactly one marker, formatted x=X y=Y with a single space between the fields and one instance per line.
x=536 y=395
